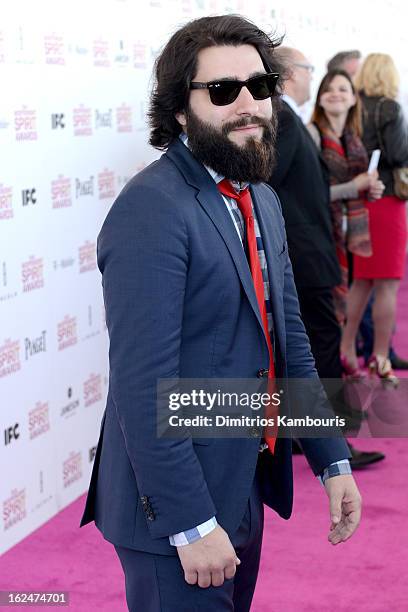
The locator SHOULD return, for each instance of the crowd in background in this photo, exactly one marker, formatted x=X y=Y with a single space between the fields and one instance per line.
x=346 y=225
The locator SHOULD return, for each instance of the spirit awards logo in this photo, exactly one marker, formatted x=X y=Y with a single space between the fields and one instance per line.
x=93 y=390
x=124 y=118
x=9 y=357
x=25 y=124
x=32 y=272
x=101 y=53
x=103 y=119
x=70 y=409
x=34 y=346
x=61 y=192
x=84 y=188
x=28 y=196
x=14 y=508
x=87 y=257
x=140 y=55
x=82 y=121
x=6 y=202
x=72 y=469
x=54 y=49
x=67 y=333
x=38 y=420
x=106 y=184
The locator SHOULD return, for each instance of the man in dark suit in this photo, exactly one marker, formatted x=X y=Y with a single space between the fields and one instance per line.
x=301 y=180
x=198 y=284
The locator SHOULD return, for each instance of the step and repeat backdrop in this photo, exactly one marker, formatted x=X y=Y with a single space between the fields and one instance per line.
x=75 y=80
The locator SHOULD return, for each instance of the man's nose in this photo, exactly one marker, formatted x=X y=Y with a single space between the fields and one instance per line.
x=246 y=104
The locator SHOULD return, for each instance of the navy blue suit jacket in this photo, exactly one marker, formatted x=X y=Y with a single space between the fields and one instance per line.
x=180 y=302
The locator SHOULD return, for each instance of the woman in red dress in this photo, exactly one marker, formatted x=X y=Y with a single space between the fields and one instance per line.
x=384 y=128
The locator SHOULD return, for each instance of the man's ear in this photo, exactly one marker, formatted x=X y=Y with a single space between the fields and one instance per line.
x=181 y=118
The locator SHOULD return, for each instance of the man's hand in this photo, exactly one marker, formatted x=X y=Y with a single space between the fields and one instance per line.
x=345 y=507
x=210 y=560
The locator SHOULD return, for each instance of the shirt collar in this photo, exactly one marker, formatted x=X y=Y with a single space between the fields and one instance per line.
x=238 y=186
x=291 y=102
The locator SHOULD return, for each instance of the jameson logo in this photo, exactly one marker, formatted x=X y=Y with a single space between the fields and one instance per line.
x=101 y=53
x=54 y=49
x=25 y=124
x=124 y=118
x=9 y=357
x=14 y=508
x=87 y=257
x=72 y=469
x=67 y=332
x=6 y=202
x=38 y=420
x=61 y=192
x=82 y=121
x=33 y=274
x=106 y=184
x=93 y=389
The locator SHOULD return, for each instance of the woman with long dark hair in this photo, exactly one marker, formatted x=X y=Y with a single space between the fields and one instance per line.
x=336 y=129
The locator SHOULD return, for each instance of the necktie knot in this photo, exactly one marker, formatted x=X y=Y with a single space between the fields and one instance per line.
x=243 y=198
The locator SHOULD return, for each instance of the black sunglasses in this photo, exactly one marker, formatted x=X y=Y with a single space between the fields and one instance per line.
x=226 y=92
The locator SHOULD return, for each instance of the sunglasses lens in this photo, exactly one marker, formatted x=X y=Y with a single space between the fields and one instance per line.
x=262 y=87
x=224 y=92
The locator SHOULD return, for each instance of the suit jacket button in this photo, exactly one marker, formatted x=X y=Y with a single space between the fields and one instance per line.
x=262 y=373
x=150 y=515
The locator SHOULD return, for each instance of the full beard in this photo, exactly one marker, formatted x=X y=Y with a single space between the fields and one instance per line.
x=252 y=162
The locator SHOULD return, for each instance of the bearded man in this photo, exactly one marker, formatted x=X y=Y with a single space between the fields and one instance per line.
x=198 y=284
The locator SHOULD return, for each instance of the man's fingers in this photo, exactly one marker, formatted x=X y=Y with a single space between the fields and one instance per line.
x=204 y=579
x=191 y=577
x=343 y=530
x=335 y=508
x=217 y=578
x=230 y=570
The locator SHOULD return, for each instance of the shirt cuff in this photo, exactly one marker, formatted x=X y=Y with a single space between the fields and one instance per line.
x=191 y=535
x=335 y=469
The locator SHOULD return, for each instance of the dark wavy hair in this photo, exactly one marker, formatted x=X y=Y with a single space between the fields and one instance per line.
x=353 y=121
x=176 y=67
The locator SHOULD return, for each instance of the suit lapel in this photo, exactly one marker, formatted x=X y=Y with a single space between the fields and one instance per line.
x=272 y=242
x=213 y=204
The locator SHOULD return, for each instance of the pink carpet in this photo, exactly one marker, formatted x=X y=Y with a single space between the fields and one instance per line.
x=300 y=571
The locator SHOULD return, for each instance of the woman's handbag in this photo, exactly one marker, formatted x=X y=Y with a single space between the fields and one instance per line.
x=400 y=175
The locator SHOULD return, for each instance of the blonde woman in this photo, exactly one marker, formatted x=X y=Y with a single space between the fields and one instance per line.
x=384 y=128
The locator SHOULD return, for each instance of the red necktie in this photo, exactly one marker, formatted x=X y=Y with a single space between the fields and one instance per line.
x=244 y=202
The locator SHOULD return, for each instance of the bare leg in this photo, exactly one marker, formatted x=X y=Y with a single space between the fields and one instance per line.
x=384 y=308
x=357 y=300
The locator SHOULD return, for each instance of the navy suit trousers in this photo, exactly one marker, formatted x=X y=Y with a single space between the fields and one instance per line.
x=155 y=583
